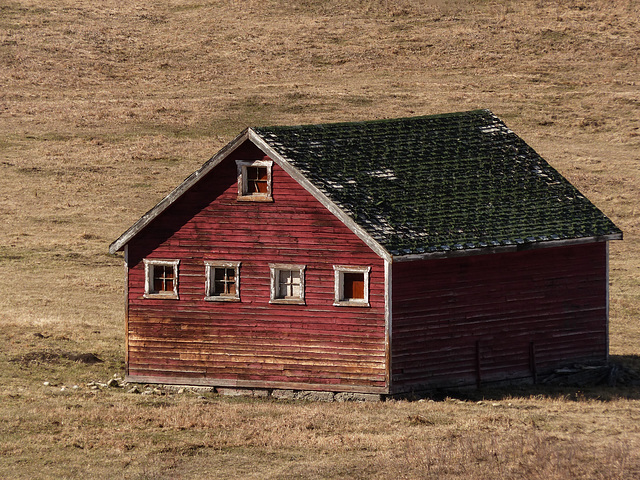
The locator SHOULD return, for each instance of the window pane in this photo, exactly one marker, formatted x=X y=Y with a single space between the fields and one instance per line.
x=295 y=284
x=289 y=284
x=158 y=285
x=163 y=278
x=218 y=287
x=230 y=273
x=257 y=178
x=353 y=286
x=283 y=279
x=258 y=186
x=252 y=173
x=224 y=281
x=167 y=271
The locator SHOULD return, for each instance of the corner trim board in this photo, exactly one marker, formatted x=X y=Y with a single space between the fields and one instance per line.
x=607 y=301
x=388 y=318
x=126 y=309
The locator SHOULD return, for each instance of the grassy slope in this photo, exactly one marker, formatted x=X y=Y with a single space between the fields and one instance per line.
x=104 y=108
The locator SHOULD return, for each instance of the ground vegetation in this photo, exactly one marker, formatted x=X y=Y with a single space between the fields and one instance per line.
x=106 y=106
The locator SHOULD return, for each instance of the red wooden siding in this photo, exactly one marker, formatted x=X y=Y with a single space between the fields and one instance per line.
x=253 y=343
x=500 y=316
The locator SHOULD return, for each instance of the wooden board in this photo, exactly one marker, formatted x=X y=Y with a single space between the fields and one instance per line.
x=498 y=316
x=253 y=342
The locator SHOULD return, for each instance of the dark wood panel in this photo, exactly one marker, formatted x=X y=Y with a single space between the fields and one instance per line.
x=460 y=317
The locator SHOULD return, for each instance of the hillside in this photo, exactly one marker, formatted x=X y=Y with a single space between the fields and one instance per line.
x=105 y=107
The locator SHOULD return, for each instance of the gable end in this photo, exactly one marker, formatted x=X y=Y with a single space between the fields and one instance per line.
x=170 y=199
x=259 y=142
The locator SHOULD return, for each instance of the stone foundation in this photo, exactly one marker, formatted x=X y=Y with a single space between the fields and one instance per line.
x=279 y=394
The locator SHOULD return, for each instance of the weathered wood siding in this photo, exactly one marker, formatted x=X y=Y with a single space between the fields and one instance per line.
x=254 y=343
x=494 y=317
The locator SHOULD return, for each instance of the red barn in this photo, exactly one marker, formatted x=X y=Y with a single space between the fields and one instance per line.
x=375 y=257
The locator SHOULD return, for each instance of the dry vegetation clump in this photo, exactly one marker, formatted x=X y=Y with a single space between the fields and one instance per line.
x=104 y=107
x=96 y=433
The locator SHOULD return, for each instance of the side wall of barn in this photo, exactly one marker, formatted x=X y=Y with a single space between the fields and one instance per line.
x=476 y=319
x=254 y=343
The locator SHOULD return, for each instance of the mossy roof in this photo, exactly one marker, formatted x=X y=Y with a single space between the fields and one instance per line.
x=439 y=183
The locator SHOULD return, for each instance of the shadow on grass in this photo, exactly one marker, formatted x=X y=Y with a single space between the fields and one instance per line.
x=619 y=379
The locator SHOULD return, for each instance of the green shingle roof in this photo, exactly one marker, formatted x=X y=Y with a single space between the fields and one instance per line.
x=439 y=183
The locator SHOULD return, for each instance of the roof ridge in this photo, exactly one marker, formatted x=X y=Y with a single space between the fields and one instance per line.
x=384 y=120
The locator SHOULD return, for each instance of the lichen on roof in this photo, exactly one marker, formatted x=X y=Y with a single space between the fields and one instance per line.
x=439 y=183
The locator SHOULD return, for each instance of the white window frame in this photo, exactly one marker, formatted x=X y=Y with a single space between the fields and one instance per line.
x=276 y=297
x=339 y=300
x=243 y=193
x=149 y=266
x=209 y=284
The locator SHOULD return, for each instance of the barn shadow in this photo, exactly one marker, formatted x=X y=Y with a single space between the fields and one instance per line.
x=618 y=379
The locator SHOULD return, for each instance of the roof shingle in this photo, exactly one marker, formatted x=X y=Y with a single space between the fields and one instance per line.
x=439 y=183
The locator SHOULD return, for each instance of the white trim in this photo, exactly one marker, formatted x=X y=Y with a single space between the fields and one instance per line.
x=338 y=300
x=243 y=194
x=126 y=309
x=275 y=269
x=607 y=301
x=149 y=265
x=388 y=317
x=209 y=267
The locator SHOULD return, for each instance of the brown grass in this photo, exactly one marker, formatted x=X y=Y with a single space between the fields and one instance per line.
x=104 y=107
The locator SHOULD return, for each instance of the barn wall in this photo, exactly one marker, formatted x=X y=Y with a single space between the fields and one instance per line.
x=254 y=343
x=494 y=317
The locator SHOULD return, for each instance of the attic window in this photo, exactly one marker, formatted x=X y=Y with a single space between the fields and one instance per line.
x=161 y=279
x=254 y=180
x=222 y=281
x=287 y=284
x=351 y=286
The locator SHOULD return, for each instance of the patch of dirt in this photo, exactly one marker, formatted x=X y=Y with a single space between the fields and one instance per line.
x=49 y=357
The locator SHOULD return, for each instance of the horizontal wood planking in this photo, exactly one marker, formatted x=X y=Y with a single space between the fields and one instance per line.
x=253 y=340
x=450 y=314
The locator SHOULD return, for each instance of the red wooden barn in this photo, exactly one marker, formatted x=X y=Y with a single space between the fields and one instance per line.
x=376 y=257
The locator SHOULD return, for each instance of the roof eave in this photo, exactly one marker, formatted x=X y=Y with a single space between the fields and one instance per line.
x=467 y=252
x=170 y=199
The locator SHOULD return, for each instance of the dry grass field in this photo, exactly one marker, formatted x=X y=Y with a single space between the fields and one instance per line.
x=106 y=106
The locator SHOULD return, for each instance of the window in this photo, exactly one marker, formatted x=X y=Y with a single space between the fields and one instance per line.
x=254 y=180
x=287 y=284
x=222 y=281
x=351 y=286
x=257 y=180
x=161 y=278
